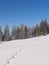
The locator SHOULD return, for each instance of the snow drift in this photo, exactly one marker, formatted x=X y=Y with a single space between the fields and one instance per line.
x=32 y=51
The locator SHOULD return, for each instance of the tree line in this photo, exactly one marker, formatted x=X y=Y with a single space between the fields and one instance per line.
x=24 y=32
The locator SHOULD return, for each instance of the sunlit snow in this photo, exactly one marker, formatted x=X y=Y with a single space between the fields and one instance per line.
x=32 y=51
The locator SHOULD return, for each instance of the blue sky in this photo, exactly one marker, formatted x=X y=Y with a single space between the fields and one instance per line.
x=29 y=12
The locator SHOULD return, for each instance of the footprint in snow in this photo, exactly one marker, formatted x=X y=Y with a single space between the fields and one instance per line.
x=13 y=57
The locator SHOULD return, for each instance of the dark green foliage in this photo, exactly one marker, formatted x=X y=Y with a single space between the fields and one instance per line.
x=18 y=33
x=14 y=33
x=6 y=33
x=24 y=32
x=43 y=27
x=1 y=34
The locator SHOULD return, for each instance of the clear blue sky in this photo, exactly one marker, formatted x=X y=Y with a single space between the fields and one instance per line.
x=29 y=12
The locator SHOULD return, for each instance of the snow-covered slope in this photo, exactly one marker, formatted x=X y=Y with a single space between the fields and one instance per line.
x=32 y=51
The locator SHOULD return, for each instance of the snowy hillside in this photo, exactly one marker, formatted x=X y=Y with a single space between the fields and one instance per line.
x=32 y=51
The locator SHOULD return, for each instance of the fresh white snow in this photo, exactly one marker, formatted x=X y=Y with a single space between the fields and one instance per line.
x=32 y=51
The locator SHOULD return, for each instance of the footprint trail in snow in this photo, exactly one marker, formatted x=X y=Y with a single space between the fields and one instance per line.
x=10 y=60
